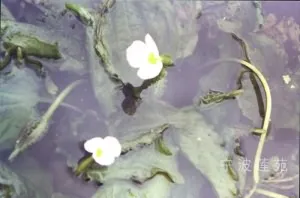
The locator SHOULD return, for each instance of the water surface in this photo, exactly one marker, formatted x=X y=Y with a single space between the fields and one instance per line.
x=275 y=50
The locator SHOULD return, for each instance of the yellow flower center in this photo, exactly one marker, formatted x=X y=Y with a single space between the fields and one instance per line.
x=99 y=152
x=152 y=59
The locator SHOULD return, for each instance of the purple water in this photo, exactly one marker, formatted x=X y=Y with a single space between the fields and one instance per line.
x=182 y=87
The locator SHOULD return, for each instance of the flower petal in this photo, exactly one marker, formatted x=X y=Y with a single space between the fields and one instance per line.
x=150 y=71
x=113 y=145
x=92 y=144
x=137 y=54
x=151 y=44
x=104 y=160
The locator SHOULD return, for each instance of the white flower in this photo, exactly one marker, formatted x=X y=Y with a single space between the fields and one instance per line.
x=145 y=57
x=104 y=150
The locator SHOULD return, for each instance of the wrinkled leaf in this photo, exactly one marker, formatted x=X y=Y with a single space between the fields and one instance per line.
x=123 y=24
x=149 y=115
x=128 y=25
x=73 y=56
x=202 y=146
x=139 y=166
x=158 y=187
x=136 y=143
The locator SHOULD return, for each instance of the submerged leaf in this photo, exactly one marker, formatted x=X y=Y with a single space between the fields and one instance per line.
x=158 y=171
x=239 y=16
x=144 y=139
x=153 y=172
x=201 y=145
x=139 y=165
x=27 y=181
x=124 y=24
x=5 y=13
x=120 y=26
x=16 y=112
x=267 y=49
x=158 y=187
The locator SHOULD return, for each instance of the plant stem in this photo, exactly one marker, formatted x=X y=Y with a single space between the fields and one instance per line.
x=287 y=179
x=267 y=116
x=270 y=194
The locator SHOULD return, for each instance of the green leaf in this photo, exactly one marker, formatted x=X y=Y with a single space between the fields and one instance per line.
x=167 y=60
x=81 y=12
x=141 y=166
x=158 y=187
x=161 y=146
x=70 y=47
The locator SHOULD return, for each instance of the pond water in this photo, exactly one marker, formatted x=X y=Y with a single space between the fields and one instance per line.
x=207 y=125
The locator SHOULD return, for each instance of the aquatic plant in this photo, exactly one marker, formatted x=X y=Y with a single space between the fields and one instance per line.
x=147 y=159
x=266 y=121
x=104 y=150
x=35 y=129
x=25 y=46
x=115 y=28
